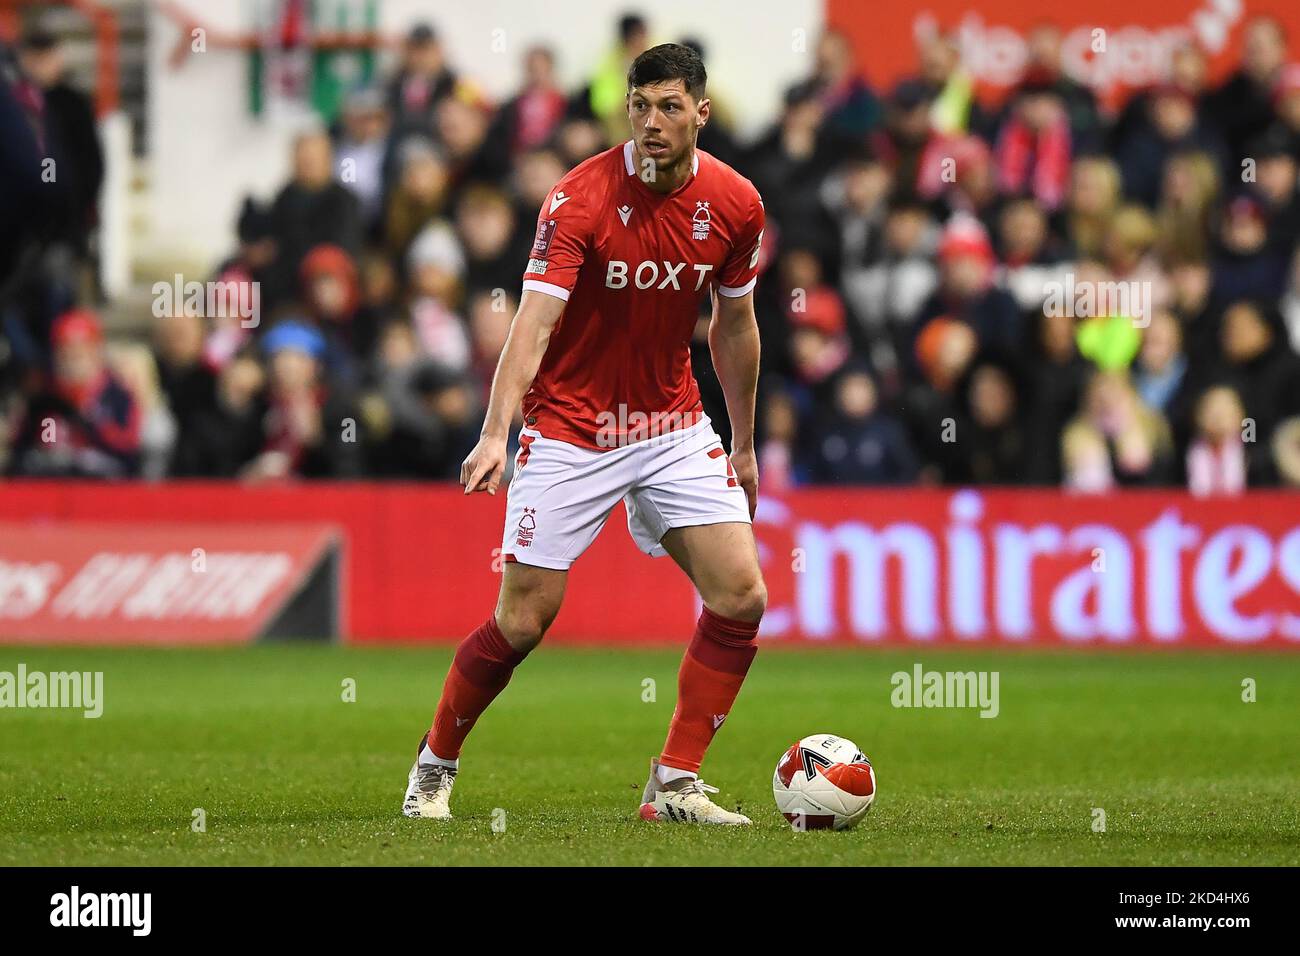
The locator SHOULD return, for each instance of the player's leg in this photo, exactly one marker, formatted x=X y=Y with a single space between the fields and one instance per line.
x=722 y=561
x=692 y=508
x=529 y=599
x=559 y=498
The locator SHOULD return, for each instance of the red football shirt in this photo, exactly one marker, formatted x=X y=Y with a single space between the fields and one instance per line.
x=633 y=266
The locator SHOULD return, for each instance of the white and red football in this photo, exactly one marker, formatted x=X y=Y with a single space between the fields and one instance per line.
x=824 y=782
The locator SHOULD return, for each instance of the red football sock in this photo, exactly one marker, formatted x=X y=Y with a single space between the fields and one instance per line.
x=712 y=671
x=480 y=670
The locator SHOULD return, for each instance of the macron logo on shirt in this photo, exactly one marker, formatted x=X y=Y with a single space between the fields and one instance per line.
x=558 y=200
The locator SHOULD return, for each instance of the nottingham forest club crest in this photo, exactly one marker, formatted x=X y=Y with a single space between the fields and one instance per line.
x=700 y=221
x=527 y=525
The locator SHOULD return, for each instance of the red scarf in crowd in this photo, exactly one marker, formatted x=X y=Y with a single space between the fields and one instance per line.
x=1035 y=163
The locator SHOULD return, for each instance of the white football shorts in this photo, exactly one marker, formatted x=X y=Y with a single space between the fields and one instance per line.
x=562 y=494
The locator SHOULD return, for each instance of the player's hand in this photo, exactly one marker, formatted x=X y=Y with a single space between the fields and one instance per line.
x=745 y=463
x=483 y=469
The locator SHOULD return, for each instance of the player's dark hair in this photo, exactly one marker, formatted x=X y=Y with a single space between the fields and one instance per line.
x=667 y=62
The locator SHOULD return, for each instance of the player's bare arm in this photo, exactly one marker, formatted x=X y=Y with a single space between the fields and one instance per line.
x=734 y=344
x=530 y=331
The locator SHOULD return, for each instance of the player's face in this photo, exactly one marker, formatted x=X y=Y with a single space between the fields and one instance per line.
x=665 y=121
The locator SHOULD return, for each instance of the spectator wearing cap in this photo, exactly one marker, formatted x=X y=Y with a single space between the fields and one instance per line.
x=1243 y=106
x=944 y=351
x=857 y=443
x=1034 y=147
x=819 y=341
x=310 y=430
x=362 y=153
x=83 y=422
x=437 y=267
x=1246 y=266
x=966 y=288
x=331 y=296
x=249 y=276
x=423 y=80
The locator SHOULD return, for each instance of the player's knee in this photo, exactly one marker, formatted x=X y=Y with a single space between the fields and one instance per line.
x=744 y=601
x=523 y=628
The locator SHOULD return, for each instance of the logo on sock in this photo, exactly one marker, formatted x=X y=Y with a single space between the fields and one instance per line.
x=462 y=721
x=718 y=719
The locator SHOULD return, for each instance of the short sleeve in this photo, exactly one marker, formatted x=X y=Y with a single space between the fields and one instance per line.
x=559 y=246
x=740 y=271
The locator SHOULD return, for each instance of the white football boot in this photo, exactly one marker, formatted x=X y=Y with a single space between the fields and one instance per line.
x=428 y=790
x=685 y=800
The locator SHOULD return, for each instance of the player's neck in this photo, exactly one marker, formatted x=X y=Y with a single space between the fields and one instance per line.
x=672 y=178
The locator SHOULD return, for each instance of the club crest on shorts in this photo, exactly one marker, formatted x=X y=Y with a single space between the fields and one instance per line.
x=524 y=531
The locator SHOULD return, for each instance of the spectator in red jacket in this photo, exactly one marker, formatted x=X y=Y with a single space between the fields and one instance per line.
x=83 y=423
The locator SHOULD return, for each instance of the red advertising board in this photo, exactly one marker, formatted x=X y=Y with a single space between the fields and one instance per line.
x=851 y=567
x=87 y=582
x=1139 y=38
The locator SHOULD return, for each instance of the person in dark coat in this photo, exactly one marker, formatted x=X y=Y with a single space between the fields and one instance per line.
x=858 y=443
x=313 y=208
x=70 y=135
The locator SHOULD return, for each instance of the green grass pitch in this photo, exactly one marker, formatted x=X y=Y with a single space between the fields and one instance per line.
x=287 y=772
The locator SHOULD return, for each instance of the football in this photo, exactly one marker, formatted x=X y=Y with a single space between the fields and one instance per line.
x=824 y=782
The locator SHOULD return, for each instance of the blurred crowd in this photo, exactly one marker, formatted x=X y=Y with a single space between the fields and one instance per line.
x=911 y=332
